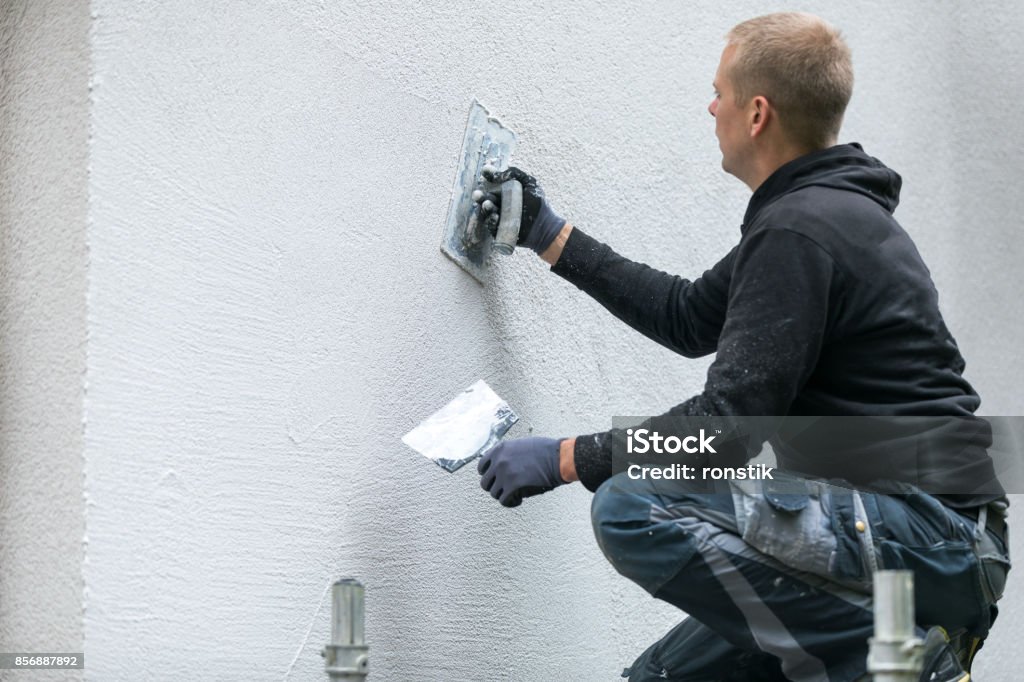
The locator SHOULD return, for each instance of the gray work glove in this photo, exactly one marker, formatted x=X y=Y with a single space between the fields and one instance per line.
x=538 y=226
x=514 y=469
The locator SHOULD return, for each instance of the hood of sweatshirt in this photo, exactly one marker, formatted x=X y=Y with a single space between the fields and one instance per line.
x=845 y=167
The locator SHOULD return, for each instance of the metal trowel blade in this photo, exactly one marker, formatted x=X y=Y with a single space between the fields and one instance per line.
x=464 y=429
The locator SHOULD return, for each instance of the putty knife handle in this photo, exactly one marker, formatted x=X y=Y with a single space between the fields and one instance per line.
x=511 y=213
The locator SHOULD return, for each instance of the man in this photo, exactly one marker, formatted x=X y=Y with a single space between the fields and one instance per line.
x=824 y=307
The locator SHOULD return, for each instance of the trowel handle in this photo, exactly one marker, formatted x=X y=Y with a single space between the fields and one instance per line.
x=511 y=213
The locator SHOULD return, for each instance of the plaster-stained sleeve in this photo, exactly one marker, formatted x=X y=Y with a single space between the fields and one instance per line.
x=592 y=456
x=684 y=316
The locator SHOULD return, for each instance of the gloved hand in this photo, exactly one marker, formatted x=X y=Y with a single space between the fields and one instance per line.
x=514 y=469
x=538 y=225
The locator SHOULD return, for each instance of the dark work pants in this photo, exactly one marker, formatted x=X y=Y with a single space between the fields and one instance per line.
x=776 y=575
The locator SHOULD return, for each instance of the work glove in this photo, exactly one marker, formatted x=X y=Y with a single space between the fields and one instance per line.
x=514 y=469
x=538 y=225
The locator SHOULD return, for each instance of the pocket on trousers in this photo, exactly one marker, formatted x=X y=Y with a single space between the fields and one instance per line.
x=994 y=567
x=947 y=581
x=993 y=575
x=790 y=527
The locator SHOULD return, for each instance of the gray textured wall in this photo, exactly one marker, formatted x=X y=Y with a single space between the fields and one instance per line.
x=44 y=98
x=268 y=311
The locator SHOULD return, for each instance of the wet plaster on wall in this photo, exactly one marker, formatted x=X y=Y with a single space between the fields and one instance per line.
x=44 y=76
x=269 y=312
x=261 y=342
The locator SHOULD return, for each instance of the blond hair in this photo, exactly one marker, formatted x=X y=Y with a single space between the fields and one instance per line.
x=802 y=65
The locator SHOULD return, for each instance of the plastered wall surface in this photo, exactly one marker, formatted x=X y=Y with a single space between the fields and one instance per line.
x=44 y=104
x=268 y=310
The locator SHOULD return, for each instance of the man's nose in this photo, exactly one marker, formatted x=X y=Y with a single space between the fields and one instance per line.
x=713 y=107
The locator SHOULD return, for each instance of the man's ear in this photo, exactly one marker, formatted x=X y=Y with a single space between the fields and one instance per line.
x=760 y=112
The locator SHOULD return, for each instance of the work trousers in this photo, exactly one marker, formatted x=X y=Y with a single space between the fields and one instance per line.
x=776 y=576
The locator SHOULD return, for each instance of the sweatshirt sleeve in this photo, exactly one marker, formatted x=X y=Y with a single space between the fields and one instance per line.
x=770 y=340
x=681 y=315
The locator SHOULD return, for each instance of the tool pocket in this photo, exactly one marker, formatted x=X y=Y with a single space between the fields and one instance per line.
x=936 y=543
x=783 y=520
x=947 y=581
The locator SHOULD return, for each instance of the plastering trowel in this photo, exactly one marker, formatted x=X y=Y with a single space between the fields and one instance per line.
x=466 y=240
x=464 y=429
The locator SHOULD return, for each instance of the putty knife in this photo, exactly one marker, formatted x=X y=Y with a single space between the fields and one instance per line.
x=466 y=241
x=464 y=429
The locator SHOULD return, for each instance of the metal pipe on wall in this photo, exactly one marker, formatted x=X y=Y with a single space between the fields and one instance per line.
x=896 y=652
x=347 y=656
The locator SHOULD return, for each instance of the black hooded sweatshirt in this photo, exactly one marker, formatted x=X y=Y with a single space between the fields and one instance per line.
x=825 y=307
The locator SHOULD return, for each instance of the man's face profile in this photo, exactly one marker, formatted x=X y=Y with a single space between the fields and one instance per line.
x=729 y=118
